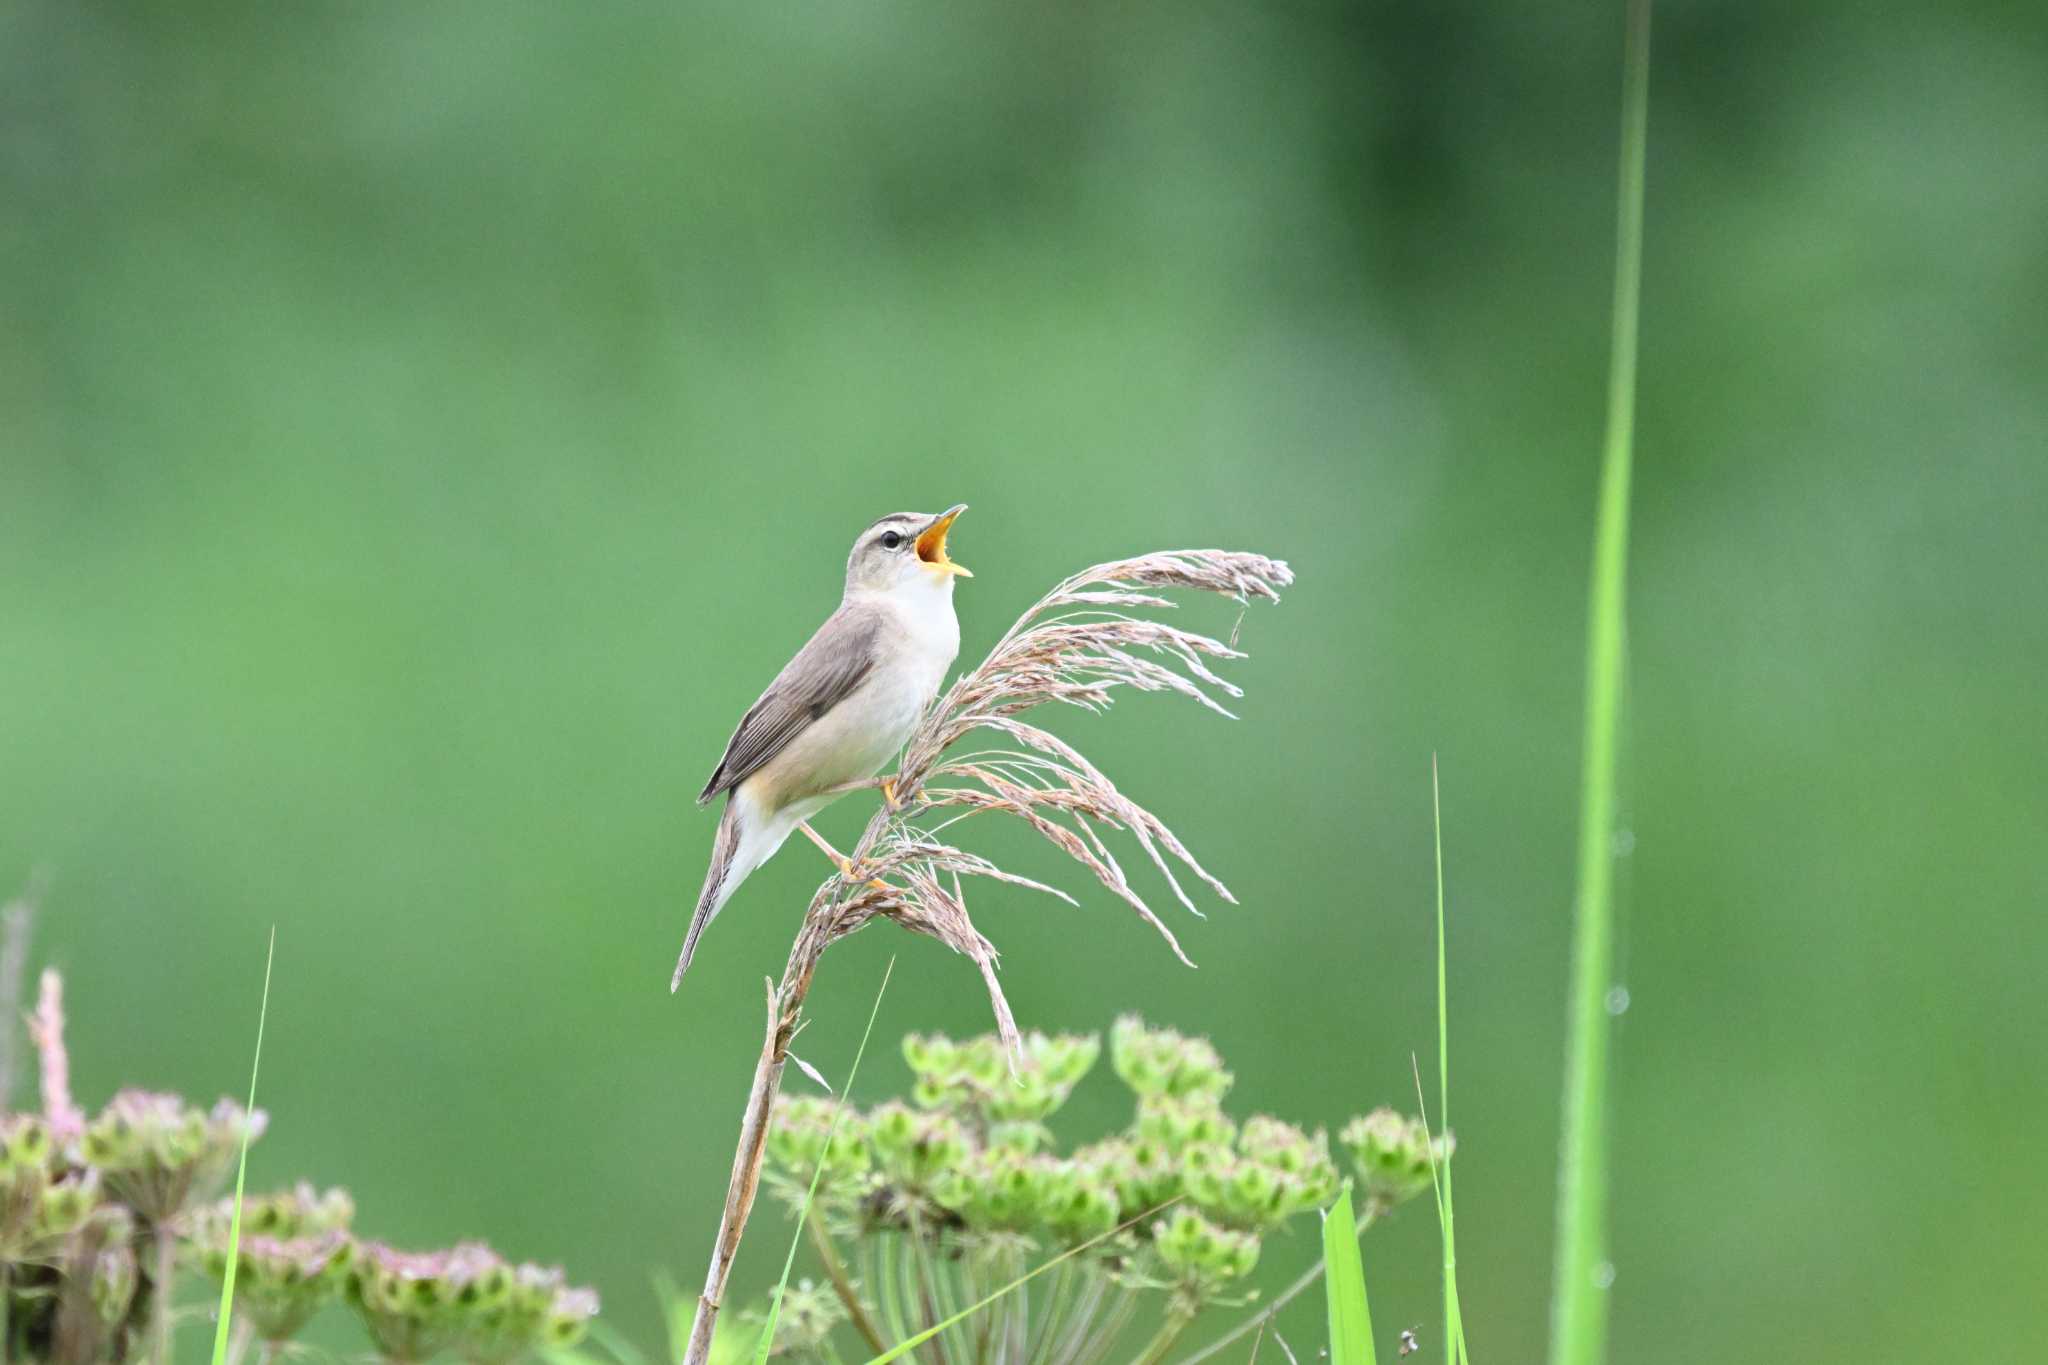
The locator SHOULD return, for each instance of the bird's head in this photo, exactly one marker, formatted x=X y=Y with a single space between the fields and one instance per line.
x=905 y=550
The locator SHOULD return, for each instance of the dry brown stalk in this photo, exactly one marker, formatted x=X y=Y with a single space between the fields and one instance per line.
x=1076 y=645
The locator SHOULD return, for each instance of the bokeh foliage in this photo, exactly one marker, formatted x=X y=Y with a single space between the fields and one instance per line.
x=428 y=426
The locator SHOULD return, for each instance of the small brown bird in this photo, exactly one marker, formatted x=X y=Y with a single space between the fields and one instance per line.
x=841 y=708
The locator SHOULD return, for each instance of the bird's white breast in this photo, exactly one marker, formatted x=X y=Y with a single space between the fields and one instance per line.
x=854 y=739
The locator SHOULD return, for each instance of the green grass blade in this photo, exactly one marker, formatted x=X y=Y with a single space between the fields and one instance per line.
x=676 y=1311
x=911 y=1343
x=1578 y=1323
x=227 y=1280
x=804 y=1210
x=1344 y=1286
x=1454 y=1318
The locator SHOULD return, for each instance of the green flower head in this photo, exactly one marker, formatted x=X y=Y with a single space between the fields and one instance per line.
x=1162 y=1062
x=798 y=1137
x=157 y=1153
x=1393 y=1154
x=1199 y=1252
x=915 y=1149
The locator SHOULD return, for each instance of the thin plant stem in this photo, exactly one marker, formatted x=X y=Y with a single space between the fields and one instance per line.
x=842 y=1284
x=1120 y=1315
x=225 y=1315
x=15 y=922
x=1057 y=1301
x=1081 y=1321
x=975 y=1292
x=238 y=1344
x=1179 y=1313
x=924 y=1304
x=1454 y=1318
x=1578 y=1320
x=882 y=1276
x=926 y=1278
x=1021 y=1339
x=161 y=1273
x=1256 y=1322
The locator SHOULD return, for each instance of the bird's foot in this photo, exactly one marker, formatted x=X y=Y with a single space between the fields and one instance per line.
x=889 y=792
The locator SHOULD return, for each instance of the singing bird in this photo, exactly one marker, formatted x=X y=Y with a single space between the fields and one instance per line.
x=841 y=708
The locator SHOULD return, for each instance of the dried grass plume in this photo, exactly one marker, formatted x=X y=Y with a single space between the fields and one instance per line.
x=1075 y=646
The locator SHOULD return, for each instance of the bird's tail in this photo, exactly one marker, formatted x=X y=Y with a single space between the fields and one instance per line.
x=720 y=882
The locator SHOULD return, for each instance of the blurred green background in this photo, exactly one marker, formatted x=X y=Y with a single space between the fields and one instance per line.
x=427 y=427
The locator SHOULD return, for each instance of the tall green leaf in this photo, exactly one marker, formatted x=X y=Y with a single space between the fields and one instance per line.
x=1344 y=1286
x=1454 y=1318
x=1578 y=1322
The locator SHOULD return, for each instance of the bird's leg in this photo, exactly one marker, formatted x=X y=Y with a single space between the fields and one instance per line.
x=845 y=864
x=887 y=786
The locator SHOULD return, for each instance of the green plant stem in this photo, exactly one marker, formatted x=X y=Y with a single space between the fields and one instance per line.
x=1104 y=1337
x=164 y=1268
x=1578 y=1322
x=224 y=1317
x=974 y=1292
x=1057 y=1300
x=1180 y=1311
x=1301 y=1285
x=238 y=1343
x=1454 y=1318
x=1018 y=1340
x=1075 y=1330
x=842 y=1285
x=924 y=1306
x=882 y=1275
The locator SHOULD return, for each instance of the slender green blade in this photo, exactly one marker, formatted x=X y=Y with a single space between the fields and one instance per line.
x=804 y=1211
x=227 y=1280
x=676 y=1311
x=1344 y=1286
x=1578 y=1319
x=1454 y=1318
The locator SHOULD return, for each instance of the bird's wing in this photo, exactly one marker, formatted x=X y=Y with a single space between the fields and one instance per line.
x=823 y=674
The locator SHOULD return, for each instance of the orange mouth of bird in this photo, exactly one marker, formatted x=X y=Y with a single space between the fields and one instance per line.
x=931 y=544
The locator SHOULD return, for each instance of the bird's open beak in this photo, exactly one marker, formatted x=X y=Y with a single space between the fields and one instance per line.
x=931 y=542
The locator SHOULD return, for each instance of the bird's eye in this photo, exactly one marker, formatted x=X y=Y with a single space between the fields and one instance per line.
x=891 y=540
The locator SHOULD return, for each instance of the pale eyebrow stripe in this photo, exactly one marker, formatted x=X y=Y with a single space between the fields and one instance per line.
x=893 y=516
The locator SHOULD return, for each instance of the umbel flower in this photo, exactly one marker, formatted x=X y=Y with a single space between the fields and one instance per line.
x=1393 y=1154
x=292 y=1260
x=798 y=1140
x=947 y=1198
x=157 y=1153
x=96 y=1218
x=979 y=1075
x=467 y=1300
